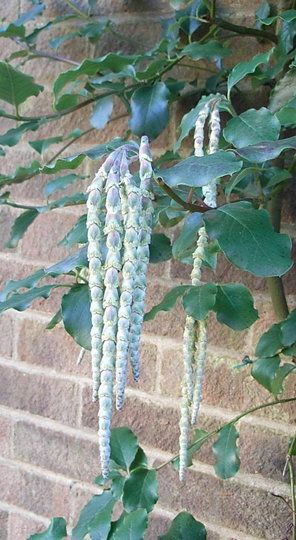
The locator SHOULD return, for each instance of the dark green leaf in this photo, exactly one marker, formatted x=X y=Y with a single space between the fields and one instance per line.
x=288 y=328
x=21 y=224
x=160 y=248
x=15 y=86
x=132 y=527
x=248 y=240
x=167 y=302
x=21 y=301
x=77 y=235
x=246 y=68
x=95 y=518
x=42 y=144
x=110 y=62
x=140 y=490
x=11 y=30
x=25 y=283
x=13 y=136
x=270 y=343
x=77 y=260
x=188 y=235
x=68 y=200
x=101 y=112
x=62 y=182
x=56 y=531
x=198 y=300
x=264 y=370
x=251 y=127
x=140 y=460
x=259 y=153
x=234 y=306
x=149 y=110
x=76 y=314
x=185 y=527
x=124 y=447
x=210 y=50
x=287 y=114
x=199 y=171
x=226 y=452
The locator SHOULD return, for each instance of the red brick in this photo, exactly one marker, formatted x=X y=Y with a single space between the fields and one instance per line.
x=51 y=348
x=34 y=493
x=3 y=525
x=56 y=451
x=45 y=396
x=22 y=527
x=6 y=434
x=154 y=425
x=227 y=503
x=47 y=231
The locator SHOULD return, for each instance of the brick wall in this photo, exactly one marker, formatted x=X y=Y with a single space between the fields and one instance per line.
x=48 y=442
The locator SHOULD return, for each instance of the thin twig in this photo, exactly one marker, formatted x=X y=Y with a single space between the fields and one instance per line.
x=233 y=421
x=201 y=207
x=78 y=10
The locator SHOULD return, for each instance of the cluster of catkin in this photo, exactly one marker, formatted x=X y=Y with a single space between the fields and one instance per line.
x=119 y=222
x=195 y=332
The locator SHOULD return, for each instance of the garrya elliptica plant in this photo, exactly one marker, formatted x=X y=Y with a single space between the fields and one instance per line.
x=251 y=166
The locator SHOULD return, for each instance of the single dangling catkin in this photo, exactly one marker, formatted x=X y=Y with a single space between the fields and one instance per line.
x=139 y=294
x=189 y=336
x=210 y=196
x=131 y=209
x=96 y=276
x=113 y=231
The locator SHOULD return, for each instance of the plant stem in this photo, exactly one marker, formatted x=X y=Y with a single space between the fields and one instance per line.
x=244 y=30
x=275 y=284
x=42 y=54
x=233 y=421
x=186 y=205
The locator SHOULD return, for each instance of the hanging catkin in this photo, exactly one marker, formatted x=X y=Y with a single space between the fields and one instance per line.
x=131 y=207
x=210 y=198
x=138 y=306
x=113 y=231
x=119 y=221
x=189 y=336
x=96 y=277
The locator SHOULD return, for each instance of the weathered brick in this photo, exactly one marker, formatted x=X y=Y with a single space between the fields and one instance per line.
x=44 y=395
x=50 y=348
x=3 y=525
x=143 y=417
x=79 y=498
x=157 y=525
x=56 y=451
x=6 y=434
x=32 y=492
x=47 y=231
x=247 y=509
x=6 y=337
x=22 y=527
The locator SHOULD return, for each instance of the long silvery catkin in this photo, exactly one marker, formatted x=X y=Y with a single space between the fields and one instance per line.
x=210 y=198
x=113 y=231
x=189 y=336
x=131 y=208
x=138 y=306
x=96 y=277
